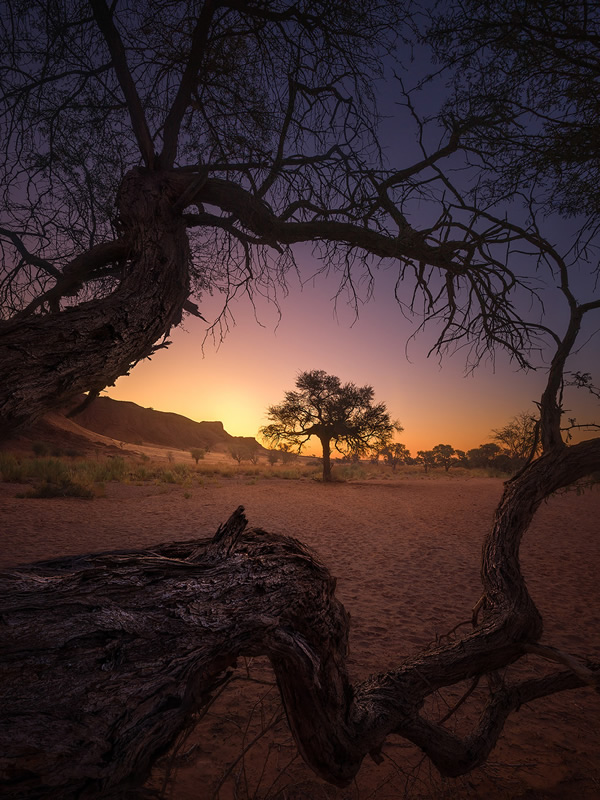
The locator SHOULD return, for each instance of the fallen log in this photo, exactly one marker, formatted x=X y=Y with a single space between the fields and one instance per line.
x=106 y=657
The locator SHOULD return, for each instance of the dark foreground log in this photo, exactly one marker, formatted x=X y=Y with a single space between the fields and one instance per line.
x=104 y=657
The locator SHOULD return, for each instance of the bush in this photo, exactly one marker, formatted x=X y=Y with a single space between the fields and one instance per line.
x=11 y=470
x=66 y=488
x=197 y=453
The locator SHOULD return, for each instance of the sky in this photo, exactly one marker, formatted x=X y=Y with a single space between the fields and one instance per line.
x=236 y=381
x=436 y=403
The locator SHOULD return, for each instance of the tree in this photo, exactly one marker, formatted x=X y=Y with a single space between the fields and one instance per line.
x=520 y=438
x=427 y=458
x=272 y=457
x=396 y=453
x=342 y=415
x=225 y=133
x=484 y=455
x=197 y=453
x=150 y=157
x=530 y=79
x=286 y=454
x=444 y=455
x=239 y=453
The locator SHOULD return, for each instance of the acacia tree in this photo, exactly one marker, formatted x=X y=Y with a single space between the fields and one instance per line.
x=243 y=121
x=342 y=415
x=520 y=437
x=396 y=453
x=427 y=458
x=484 y=455
x=444 y=455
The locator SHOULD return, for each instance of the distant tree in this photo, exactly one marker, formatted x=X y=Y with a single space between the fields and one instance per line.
x=342 y=415
x=520 y=438
x=238 y=453
x=272 y=457
x=286 y=454
x=461 y=458
x=426 y=458
x=396 y=453
x=197 y=453
x=484 y=455
x=445 y=455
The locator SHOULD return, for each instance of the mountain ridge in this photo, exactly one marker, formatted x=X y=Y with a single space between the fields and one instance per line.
x=129 y=422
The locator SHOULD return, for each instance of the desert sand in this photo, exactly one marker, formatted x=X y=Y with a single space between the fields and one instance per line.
x=406 y=555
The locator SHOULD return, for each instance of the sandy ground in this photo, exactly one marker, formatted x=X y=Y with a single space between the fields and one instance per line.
x=406 y=555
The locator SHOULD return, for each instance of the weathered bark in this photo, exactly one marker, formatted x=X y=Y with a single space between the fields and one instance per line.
x=104 y=657
x=48 y=359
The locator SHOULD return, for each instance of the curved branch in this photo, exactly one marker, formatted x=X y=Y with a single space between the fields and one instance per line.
x=27 y=256
x=81 y=269
x=47 y=359
x=255 y=214
x=153 y=631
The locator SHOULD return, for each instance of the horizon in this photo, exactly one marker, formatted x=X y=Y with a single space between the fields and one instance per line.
x=262 y=354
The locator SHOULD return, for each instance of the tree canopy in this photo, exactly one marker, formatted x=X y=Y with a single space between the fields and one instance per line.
x=342 y=415
x=150 y=155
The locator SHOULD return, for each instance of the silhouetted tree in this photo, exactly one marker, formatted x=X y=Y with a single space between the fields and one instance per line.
x=519 y=438
x=426 y=458
x=484 y=455
x=396 y=453
x=339 y=415
x=444 y=455
x=531 y=78
x=461 y=457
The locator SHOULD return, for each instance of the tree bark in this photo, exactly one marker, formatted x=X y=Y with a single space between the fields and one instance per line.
x=326 y=446
x=46 y=360
x=104 y=657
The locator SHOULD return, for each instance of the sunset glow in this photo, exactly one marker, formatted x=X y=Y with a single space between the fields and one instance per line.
x=258 y=361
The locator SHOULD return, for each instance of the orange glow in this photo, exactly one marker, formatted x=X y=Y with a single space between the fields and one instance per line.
x=255 y=365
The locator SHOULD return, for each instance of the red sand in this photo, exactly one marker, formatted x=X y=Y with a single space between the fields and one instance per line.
x=406 y=554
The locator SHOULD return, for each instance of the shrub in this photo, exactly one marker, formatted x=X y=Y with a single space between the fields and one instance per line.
x=197 y=453
x=11 y=469
x=66 y=488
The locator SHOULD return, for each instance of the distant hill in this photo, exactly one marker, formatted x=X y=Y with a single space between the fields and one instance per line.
x=128 y=422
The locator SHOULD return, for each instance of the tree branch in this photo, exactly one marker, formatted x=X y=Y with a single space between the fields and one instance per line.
x=105 y=23
x=188 y=82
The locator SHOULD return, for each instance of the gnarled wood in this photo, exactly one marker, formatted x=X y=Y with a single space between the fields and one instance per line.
x=104 y=657
x=48 y=359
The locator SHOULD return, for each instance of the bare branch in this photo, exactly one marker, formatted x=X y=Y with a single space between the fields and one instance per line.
x=104 y=18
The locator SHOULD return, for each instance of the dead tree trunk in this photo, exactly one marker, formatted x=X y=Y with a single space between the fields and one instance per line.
x=48 y=359
x=104 y=657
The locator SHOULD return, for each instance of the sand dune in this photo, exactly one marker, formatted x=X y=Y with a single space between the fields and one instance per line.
x=406 y=554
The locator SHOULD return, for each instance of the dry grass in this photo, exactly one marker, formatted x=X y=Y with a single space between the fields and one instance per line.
x=86 y=476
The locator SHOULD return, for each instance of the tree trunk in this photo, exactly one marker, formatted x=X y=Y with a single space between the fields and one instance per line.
x=46 y=359
x=103 y=658
x=326 y=445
